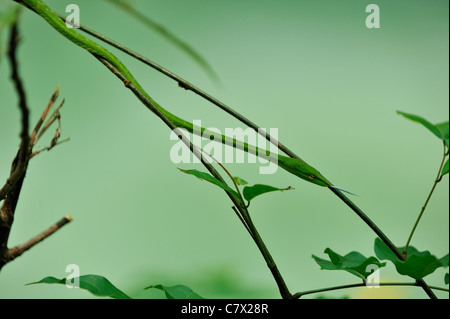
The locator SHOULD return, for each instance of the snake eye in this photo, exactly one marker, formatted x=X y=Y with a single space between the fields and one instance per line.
x=312 y=177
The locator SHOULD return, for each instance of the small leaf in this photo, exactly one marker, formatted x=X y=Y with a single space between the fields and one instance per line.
x=443 y=128
x=251 y=192
x=446 y=278
x=418 y=264
x=354 y=263
x=445 y=169
x=444 y=260
x=383 y=252
x=177 y=292
x=97 y=285
x=240 y=181
x=432 y=128
x=211 y=179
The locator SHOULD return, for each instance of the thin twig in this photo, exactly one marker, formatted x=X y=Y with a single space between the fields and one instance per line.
x=44 y=116
x=381 y=235
x=436 y=181
x=19 y=250
x=237 y=190
x=308 y=292
x=48 y=148
x=368 y=221
x=242 y=221
x=55 y=116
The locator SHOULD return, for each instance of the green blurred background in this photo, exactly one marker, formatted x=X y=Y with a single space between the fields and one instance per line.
x=309 y=68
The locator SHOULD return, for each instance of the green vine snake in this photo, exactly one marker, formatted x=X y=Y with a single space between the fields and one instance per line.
x=294 y=166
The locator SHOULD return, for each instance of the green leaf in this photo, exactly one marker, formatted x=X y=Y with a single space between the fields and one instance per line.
x=211 y=179
x=418 y=264
x=176 y=292
x=97 y=285
x=354 y=263
x=431 y=127
x=443 y=128
x=251 y=192
x=445 y=169
x=383 y=252
x=444 y=260
x=446 y=278
x=240 y=181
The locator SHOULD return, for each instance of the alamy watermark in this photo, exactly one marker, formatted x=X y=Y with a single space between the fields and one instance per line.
x=73 y=278
x=373 y=280
x=229 y=147
x=73 y=19
x=373 y=19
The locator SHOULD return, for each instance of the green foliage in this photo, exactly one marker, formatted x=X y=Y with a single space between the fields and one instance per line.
x=97 y=285
x=446 y=278
x=444 y=169
x=443 y=128
x=211 y=179
x=240 y=181
x=177 y=292
x=354 y=263
x=418 y=264
x=251 y=192
x=440 y=130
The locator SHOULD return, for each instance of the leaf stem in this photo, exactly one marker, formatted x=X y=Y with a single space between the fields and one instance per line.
x=368 y=221
x=229 y=175
x=308 y=292
x=284 y=291
x=436 y=181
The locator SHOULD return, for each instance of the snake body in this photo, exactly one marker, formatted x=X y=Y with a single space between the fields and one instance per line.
x=294 y=166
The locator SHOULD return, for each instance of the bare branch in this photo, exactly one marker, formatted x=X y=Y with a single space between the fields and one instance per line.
x=44 y=115
x=21 y=161
x=55 y=116
x=52 y=145
x=19 y=250
x=10 y=192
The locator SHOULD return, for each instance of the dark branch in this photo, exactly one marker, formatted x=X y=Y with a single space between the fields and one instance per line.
x=10 y=192
x=21 y=161
x=19 y=250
